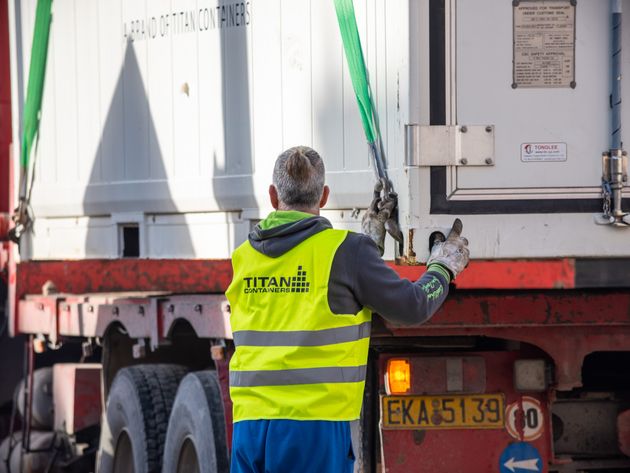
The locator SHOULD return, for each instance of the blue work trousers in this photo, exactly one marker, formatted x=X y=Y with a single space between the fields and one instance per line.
x=292 y=446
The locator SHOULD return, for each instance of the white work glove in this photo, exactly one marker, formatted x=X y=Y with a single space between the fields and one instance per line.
x=379 y=218
x=452 y=253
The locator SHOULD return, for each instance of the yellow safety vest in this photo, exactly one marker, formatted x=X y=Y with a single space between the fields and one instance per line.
x=294 y=359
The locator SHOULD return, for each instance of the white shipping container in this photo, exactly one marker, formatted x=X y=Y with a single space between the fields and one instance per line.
x=168 y=116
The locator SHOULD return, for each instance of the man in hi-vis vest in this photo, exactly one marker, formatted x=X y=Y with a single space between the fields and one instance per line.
x=301 y=302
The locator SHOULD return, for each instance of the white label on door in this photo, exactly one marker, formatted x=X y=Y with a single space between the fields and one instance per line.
x=543 y=152
x=544 y=43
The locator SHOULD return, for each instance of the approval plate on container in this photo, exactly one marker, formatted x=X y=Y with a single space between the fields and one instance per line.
x=471 y=411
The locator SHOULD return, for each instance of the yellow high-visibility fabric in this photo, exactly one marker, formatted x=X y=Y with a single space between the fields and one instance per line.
x=288 y=295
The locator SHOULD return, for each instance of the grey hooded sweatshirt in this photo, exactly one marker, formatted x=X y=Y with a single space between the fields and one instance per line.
x=359 y=277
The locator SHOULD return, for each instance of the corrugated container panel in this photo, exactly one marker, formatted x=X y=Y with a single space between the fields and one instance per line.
x=64 y=56
x=137 y=117
x=192 y=91
x=296 y=71
x=168 y=107
x=112 y=55
x=266 y=85
x=210 y=101
x=159 y=89
x=158 y=110
x=327 y=93
x=88 y=86
x=355 y=154
x=72 y=238
x=46 y=151
x=186 y=99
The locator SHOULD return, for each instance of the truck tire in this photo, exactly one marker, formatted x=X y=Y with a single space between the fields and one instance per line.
x=196 y=439
x=33 y=462
x=136 y=417
x=43 y=416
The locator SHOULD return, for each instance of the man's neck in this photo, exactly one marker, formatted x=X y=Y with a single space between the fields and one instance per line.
x=313 y=211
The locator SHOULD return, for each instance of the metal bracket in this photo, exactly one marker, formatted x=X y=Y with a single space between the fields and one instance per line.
x=450 y=145
x=139 y=349
x=614 y=179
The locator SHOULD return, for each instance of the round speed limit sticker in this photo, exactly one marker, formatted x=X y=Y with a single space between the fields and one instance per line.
x=524 y=420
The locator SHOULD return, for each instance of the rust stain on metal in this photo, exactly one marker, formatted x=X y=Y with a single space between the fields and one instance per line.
x=409 y=258
x=91 y=276
x=418 y=436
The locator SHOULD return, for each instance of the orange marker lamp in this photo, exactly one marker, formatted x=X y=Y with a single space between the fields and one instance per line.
x=398 y=380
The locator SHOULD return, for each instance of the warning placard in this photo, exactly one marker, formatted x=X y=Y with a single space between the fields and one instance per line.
x=544 y=43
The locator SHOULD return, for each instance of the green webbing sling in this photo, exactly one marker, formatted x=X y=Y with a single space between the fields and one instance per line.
x=31 y=115
x=36 y=74
x=358 y=73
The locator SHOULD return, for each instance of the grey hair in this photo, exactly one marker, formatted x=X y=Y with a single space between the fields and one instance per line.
x=298 y=176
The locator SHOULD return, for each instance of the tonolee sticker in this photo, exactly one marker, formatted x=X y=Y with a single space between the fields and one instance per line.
x=543 y=152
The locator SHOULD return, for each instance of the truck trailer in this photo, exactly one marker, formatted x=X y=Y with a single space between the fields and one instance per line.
x=149 y=163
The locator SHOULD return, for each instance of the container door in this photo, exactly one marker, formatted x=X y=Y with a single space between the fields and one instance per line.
x=536 y=77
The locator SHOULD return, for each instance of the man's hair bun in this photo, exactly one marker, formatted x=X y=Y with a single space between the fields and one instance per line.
x=298 y=165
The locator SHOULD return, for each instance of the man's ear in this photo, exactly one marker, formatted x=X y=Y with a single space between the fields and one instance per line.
x=273 y=196
x=324 y=198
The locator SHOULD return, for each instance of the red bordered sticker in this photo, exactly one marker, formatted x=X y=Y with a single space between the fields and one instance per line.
x=524 y=419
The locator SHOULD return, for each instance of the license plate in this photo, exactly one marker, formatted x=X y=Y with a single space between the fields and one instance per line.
x=475 y=411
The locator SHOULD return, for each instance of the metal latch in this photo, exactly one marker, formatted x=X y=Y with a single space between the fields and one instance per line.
x=450 y=145
x=614 y=178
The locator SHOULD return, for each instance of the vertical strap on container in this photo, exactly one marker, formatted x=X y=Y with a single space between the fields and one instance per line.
x=36 y=75
x=31 y=113
x=358 y=74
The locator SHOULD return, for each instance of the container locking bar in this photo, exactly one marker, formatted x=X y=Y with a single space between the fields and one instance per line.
x=614 y=179
x=615 y=160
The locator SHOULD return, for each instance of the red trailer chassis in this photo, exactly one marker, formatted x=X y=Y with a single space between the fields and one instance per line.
x=549 y=319
x=538 y=309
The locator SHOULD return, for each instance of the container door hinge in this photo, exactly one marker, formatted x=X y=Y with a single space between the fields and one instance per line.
x=614 y=179
x=450 y=145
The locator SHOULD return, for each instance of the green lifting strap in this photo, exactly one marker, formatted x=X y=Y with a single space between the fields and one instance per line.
x=358 y=73
x=356 y=64
x=30 y=126
x=36 y=75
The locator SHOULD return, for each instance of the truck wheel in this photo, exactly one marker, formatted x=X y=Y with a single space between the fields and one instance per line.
x=196 y=440
x=43 y=415
x=136 y=417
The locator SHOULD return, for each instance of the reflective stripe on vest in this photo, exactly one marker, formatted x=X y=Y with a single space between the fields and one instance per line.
x=294 y=358
x=347 y=374
x=302 y=338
